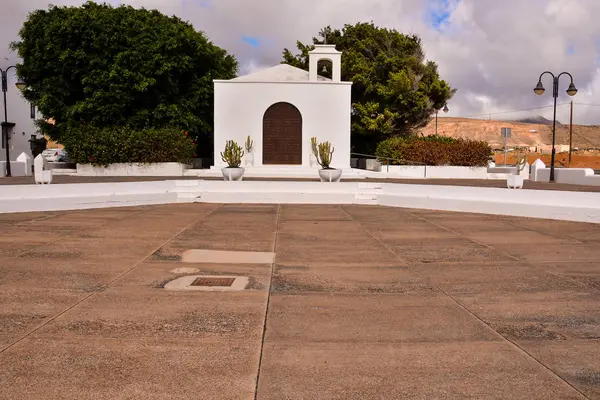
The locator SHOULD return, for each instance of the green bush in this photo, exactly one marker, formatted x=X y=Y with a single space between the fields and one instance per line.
x=438 y=139
x=103 y=146
x=434 y=150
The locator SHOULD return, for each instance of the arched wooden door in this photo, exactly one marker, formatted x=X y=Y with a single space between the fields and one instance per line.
x=282 y=135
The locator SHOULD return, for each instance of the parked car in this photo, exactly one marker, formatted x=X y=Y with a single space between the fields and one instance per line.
x=55 y=155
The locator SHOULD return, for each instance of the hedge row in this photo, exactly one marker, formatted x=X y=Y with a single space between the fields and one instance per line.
x=434 y=150
x=103 y=146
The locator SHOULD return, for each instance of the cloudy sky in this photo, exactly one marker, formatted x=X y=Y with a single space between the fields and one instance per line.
x=492 y=51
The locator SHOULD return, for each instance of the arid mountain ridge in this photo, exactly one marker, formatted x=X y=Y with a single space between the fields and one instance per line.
x=535 y=131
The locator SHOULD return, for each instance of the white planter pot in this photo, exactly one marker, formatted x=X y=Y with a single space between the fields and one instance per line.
x=330 y=175
x=313 y=161
x=249 y=159
x=514 y=182
x=232 y=174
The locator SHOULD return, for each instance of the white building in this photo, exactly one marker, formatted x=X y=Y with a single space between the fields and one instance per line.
x=20 y=124
x=281 y=108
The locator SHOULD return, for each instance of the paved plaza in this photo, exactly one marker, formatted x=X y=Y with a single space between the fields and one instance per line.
x=361 y=302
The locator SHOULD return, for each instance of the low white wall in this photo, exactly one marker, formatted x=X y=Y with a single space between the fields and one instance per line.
x=27 y=198
x=404 y=171
x=449 y=172
x=155 y=169
x=17 y=168
x=574 y=176
x=570 y=206
x=429 y=172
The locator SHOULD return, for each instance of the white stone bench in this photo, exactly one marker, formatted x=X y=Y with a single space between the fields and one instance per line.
x=42 y=176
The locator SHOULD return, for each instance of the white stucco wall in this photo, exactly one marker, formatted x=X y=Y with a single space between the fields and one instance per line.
x=569 y=206
x=18 y=111
x=576 y=176
x=325 y=109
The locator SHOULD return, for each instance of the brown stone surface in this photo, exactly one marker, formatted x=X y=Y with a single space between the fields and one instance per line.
x=154 y=313
x=576 y=361
x=373 y=319
x=353 y=279
x=96 y=368
x=372 y=371
x=363 y=302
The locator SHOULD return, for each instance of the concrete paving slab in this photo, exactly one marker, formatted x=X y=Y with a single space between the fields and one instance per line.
x=567 y=228
x=332 y=241
x=94 y=368
x=516 y=237
x=372 y=213
x=16 y=218
x=375 y=318
x=291 y=251
x=57 y=274
x=411 y=232
x=468 y=224
x=587 y=274
x=156 y=313
x=539 y=316
x=496 y=277
x=569 y=267
x=552 y=252
x=24 y=308
x=369 y=371
x=576 y=361
x=219 y=235
x=227 y=257
x=447 y=251
x=6 y=340
x=309 y=212
x=333 y=279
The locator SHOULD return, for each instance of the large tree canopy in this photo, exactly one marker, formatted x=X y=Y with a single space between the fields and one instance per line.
x=119 y=66
x=395 y=90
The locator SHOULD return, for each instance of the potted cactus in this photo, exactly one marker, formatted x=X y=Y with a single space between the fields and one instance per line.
x=516 y=181
x=323 y=153
x=315 y=150
x=233 y=157
x=249 y=157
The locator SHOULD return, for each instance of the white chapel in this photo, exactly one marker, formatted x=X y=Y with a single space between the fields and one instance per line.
x=282 y=108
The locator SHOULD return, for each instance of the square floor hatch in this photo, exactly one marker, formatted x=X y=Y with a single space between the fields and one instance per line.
x=210 y=282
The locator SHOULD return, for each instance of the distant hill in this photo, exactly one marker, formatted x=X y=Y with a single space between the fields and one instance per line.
x=539 y=120
x=523 y=133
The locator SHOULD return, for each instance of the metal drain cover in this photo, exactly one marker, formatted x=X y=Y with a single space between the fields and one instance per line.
x=213 y=282
x=209 y=283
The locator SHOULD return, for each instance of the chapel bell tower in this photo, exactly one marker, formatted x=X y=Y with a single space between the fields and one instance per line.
x=325 y=52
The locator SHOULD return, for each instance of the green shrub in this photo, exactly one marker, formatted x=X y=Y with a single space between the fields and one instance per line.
x=434 y=150
x=395 y=148
x=103 y=146
x=438 y=139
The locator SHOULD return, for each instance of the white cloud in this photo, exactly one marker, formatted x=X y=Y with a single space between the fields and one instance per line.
x=492 y=51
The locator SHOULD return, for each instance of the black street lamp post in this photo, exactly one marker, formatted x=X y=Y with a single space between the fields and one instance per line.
x=539 y=90
x=445 y=109
x=20 y=85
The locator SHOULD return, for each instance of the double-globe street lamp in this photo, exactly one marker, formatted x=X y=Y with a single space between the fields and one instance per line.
x=539 y=90
x=445 y=109
x=20 y=85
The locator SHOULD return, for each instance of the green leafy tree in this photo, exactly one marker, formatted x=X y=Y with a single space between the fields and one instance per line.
x=394 y=92
x=119 y=66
